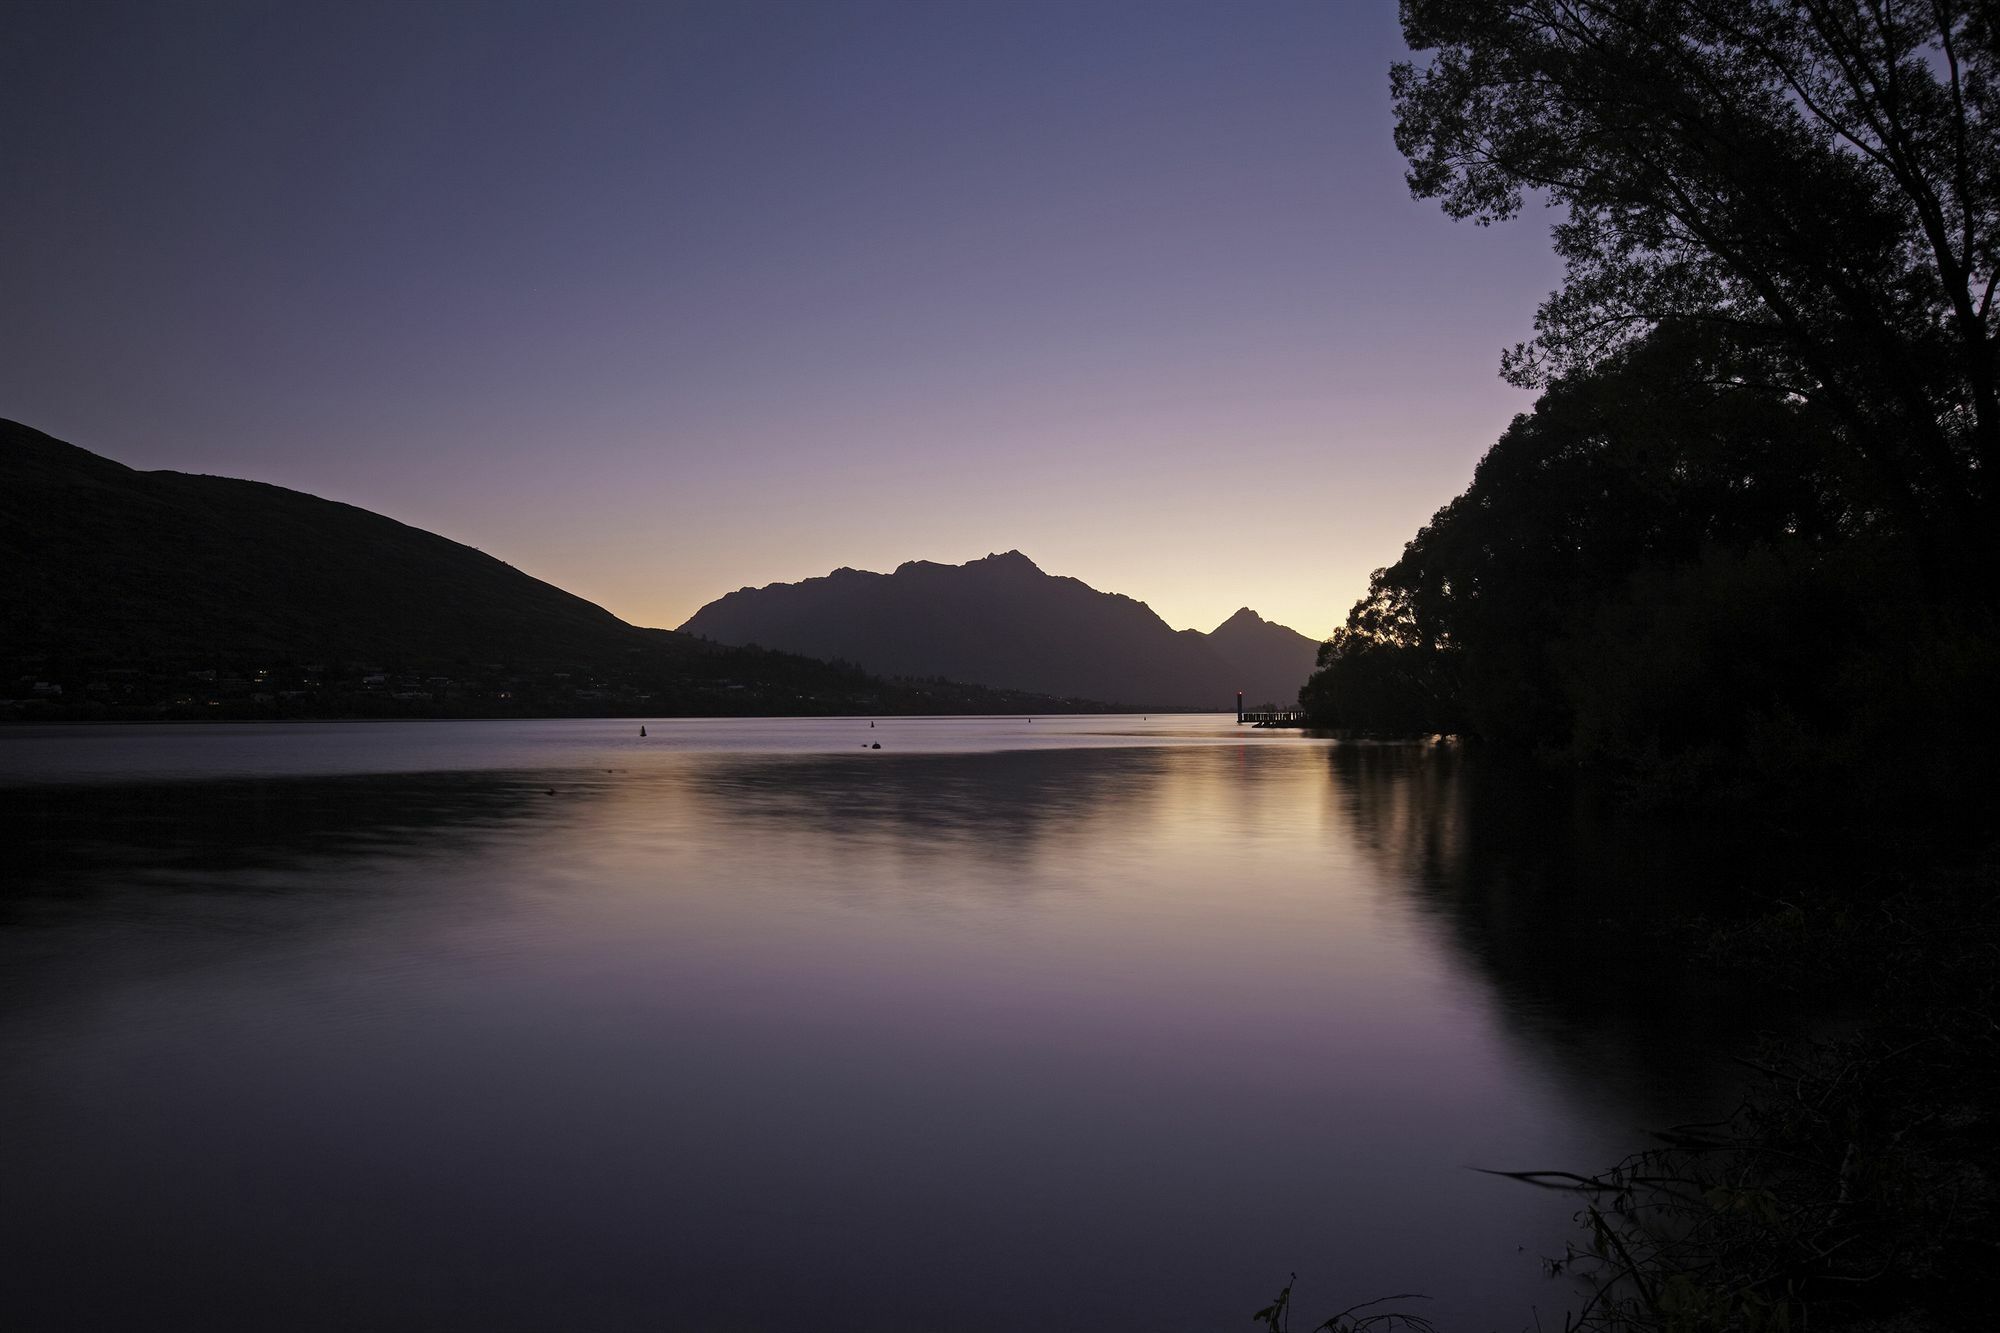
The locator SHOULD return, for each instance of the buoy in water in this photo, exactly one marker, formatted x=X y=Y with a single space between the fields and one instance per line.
x=876 y=746
x=642 y=730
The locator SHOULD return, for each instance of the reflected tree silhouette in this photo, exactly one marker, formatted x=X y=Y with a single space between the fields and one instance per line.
x=1584 y=915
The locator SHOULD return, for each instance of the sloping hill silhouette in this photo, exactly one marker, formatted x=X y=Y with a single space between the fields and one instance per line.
x=149 y=573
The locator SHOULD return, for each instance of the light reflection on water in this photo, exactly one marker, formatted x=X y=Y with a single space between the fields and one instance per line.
x=536 y=1028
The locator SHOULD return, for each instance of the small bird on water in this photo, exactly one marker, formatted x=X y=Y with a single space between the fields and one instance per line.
x=642 y=729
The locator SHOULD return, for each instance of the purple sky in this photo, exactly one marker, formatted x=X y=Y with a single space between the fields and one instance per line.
x=656 y=300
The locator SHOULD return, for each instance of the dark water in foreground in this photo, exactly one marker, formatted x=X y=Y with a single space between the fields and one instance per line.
x=1084 y=1023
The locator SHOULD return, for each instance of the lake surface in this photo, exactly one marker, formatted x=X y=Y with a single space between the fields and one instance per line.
x=1064 y=1024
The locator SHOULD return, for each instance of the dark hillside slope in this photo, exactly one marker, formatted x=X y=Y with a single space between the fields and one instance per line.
x=105 y=561
x=159 y=594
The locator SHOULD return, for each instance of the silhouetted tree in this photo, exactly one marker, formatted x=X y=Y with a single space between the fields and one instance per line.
x=1661 y=572
x=1819 y=179
x=1746 y=540
x=1652 y=460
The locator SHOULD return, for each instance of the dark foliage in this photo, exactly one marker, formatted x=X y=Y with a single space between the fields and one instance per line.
x=1818 y=179
x=1654 y=574
x=1743 y=553
x=1744 y=546
x=1853 y=1188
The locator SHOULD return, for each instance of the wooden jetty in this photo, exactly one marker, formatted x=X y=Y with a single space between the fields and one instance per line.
x=1268 y=717
x=1273 y=717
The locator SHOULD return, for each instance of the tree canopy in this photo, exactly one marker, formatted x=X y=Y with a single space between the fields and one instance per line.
x=1819 y=179
x=1747 y=537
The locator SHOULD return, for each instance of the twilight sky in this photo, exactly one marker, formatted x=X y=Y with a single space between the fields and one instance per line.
x=655 y=300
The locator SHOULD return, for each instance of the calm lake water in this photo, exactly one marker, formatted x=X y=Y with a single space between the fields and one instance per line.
x=1078 y=1023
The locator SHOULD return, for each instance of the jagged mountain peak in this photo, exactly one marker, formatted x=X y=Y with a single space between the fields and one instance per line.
x=1244 y=617
x=993 y=563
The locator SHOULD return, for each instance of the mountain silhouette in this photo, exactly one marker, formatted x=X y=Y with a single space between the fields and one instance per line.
x=1271 y=661
x=114 y=574
x=1002 y=621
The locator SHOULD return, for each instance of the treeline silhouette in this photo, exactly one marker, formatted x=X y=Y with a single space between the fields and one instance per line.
x=1669 y=576
x=1741 y=556
x=1743 y=547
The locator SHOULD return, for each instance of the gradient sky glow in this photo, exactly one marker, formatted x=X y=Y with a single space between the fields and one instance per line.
x=657 y=300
